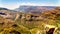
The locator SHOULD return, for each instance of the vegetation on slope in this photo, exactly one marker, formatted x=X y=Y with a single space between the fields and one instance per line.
x=50 y=17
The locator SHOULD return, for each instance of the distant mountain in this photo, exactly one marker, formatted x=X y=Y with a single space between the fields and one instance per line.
x=34 y=9
x=3 y=8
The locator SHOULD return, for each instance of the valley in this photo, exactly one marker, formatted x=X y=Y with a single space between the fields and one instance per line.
x=30 y=20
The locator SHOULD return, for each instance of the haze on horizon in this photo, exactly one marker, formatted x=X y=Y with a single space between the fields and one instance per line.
x=12 y=4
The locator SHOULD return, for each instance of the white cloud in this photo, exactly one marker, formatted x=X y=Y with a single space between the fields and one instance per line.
x=10 y=6
x=13 y=6
x=41 y=4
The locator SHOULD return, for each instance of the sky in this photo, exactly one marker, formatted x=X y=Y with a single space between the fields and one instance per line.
x=12 y=4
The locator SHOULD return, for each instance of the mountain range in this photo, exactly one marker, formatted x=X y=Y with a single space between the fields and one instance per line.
x=31 y=9
x=25 y=8
x=3 y=8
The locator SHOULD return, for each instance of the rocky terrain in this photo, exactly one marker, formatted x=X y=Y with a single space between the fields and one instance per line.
x=35 y=21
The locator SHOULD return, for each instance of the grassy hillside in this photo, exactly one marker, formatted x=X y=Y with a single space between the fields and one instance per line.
x=50 y=19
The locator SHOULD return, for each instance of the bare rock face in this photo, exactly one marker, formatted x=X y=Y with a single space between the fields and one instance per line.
x=50 y=31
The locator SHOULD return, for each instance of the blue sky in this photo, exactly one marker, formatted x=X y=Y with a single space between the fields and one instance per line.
x=12 y=4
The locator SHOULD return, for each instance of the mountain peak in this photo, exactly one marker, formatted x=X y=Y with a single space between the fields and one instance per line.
x=26 y=8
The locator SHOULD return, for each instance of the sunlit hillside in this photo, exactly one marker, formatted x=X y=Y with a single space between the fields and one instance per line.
x=38 y=21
